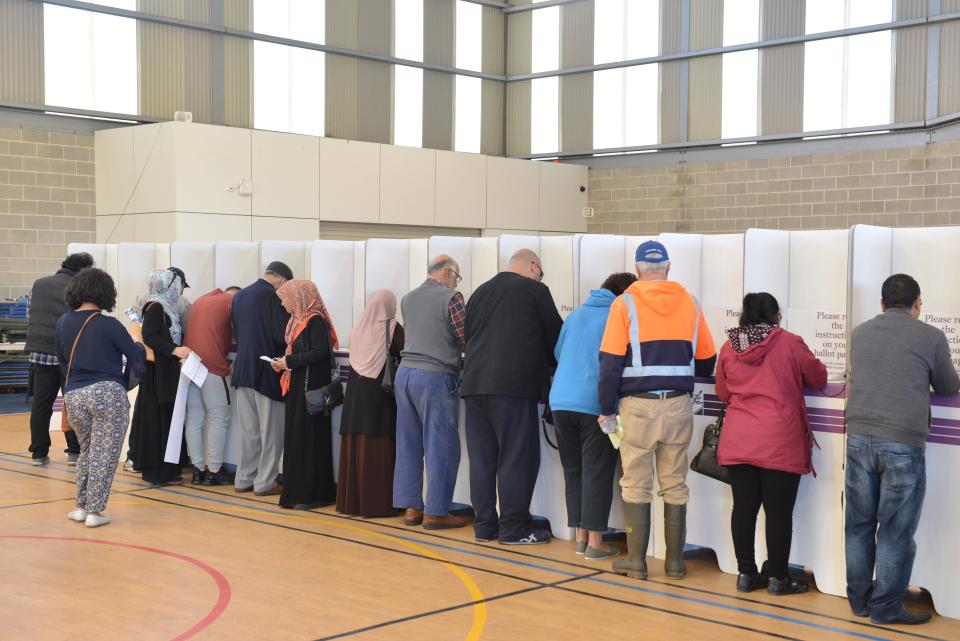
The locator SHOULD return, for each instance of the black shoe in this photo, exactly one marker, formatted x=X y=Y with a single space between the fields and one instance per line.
x=781 y=587
x=484 y=538
x=748 y=582
x=198 y=476
x=907 y=617
x=534 y=537
x=216 y=478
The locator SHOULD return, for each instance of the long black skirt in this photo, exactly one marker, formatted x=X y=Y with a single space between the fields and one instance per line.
x=307 y=455
x=150 y=429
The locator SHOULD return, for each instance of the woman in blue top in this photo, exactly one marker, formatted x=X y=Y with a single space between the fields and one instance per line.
x=587 y=456
x=95 y=393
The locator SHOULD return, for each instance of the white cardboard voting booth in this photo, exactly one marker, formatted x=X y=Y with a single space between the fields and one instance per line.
x=819 y=277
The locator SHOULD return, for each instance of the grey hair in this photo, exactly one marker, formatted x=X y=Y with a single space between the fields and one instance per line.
x=652 y=268
x=441 y=264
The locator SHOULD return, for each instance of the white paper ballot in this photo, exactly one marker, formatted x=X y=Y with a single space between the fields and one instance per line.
x=193 y=369
x=266 y=358
x=175 y=439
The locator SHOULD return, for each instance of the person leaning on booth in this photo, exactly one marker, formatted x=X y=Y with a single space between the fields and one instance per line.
x=47 y=305
x=259 y=325
x=586 y=453
x=511 y=329
x=428 y=407
x=766 y=442
x=91 y=348
x=894 y=360
x=655 y=341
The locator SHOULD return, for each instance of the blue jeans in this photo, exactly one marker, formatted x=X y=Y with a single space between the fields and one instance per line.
x=885 y=484
x=428 y=417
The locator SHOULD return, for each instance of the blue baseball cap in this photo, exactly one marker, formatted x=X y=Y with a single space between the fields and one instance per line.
x=652 y=252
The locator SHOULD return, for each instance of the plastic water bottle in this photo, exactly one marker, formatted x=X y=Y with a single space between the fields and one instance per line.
x=609 y=425
x=132 y=314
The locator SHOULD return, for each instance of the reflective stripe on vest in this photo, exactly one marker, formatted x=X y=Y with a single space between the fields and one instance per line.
x=638 y=369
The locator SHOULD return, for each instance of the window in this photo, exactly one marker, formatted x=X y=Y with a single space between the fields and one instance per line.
x=545 y=92
x=90 y=59
x=408 y=81
x=626 y=103
x=288 y=83
x=467 y=110
x=847 y=81
x=741 y=24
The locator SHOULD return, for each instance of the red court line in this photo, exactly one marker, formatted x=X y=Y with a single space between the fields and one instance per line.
x=223 y=585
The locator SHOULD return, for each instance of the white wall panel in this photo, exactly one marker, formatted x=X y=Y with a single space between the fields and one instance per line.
x=236 y=263
x=508 y=245
x=461 y=190
x=136 y=261
x=286 y=175
x=630 y=244
x=722 y=276
x=686 y=260
x=387 y=266
x=419 y=260
x=154 y=168
x=408 y=182
x=264 y=228
x=197 y=262
x=561 y=202
x=513 y=193
x=291 y=252
x=349 y=181
x=114 y=168
x=599 y=256
x=210 y=161
x=461 y=250
x=485 y=260
x=766 y=263
x=331 y=268
x=162 y=255
x=872 y=261
x=556 y=255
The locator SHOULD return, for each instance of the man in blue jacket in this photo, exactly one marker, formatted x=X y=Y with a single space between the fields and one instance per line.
x=587 y=456
x=259 y=325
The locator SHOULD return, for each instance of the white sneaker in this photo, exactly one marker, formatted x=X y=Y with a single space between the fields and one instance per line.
x=96 y=520
x=128 y=466
x=79 y=515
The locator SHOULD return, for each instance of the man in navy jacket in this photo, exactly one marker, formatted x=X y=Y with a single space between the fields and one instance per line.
x=259 y=324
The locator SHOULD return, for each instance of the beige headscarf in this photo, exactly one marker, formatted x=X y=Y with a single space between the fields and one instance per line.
x=368 y=343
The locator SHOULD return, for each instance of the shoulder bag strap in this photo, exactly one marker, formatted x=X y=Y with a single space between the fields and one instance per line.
x=73 y=349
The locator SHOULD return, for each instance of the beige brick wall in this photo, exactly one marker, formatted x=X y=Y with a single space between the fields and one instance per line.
x=46 y=201
x=903 y=187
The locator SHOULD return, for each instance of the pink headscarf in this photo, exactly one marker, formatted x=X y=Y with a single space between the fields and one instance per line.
x=368 y=343
x=302 y=299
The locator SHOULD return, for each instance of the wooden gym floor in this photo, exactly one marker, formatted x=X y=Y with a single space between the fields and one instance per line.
x=206 y=563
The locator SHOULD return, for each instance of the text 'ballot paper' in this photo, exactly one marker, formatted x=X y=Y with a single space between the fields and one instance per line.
x=191 y=370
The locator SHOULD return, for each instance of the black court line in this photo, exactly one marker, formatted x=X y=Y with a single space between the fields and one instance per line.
x=679 y=614
x=672 y=584
x=420 y=556
x=66 y=498
x=72 y=469
x=344 y=539
x=460 y=606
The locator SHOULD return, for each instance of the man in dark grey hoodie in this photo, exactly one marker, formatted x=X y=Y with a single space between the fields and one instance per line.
x=895 y=358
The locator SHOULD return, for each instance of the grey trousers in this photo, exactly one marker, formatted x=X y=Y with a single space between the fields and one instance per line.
x=261 y=439
x=208 y=419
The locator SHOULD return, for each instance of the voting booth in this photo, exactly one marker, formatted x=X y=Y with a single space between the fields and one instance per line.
x=825 y=281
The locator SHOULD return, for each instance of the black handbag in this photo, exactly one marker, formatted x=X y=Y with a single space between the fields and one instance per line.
x=323 y=399
x=389 y=368
x=705 y=462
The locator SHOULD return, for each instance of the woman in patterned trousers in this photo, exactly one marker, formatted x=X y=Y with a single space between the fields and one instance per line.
x=92 y=347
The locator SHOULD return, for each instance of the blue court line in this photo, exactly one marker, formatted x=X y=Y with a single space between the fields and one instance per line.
x=680 y=597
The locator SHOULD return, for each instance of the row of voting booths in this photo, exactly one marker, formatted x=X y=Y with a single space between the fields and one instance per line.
x=825 y=281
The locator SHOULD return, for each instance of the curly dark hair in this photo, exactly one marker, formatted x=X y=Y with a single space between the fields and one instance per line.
x=76 y=262
x=618 y=283
x=92 y=285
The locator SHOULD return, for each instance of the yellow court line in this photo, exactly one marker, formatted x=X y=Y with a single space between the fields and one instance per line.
x=478 y=598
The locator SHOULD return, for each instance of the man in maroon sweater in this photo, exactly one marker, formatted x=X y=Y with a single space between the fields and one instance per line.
x=210 y=335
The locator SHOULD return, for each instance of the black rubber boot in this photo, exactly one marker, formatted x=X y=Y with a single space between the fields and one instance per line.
x=636 y=517
x=675 y=534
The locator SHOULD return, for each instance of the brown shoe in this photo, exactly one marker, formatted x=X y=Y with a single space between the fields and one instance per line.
x=412 y=517
x=447 y=522
x=273 y=491
x=241 y=490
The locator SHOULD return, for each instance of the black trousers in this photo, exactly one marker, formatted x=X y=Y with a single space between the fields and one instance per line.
x=503 y=443
x=47 y=380
x=777 y=492
x=589 y=462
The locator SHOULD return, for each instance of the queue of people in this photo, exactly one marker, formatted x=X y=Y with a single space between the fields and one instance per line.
x=629 y=356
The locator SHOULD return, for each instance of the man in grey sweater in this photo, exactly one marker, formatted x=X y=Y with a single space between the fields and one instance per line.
x=895 y=358
x=428 y=401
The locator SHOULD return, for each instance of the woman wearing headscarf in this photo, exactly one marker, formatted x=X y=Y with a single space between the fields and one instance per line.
x=153 y=410
x=307 y=447
x=368 y=426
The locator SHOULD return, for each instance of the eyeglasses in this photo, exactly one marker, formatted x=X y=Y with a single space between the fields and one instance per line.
x=540 y=269
x=456 y=275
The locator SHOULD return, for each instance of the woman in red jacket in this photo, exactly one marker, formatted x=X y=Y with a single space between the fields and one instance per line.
x=766 y=440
